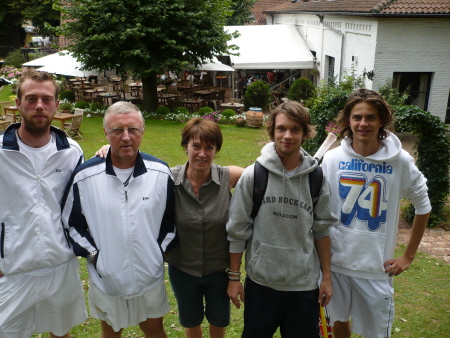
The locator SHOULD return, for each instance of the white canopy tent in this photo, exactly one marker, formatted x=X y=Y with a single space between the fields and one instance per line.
x=270 y=47
x=215 y=66
x=61 y=63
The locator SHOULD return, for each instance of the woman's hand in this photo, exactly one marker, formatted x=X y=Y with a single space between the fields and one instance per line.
x=103 y=151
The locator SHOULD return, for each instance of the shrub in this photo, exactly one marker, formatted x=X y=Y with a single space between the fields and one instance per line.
x=213 y=116
x=205 y=111
x=82 y=105
x=96 y=106
x=162 y=110
x=257 y=95
x=65 y=106
x=228 y=113
x=301 y=89
x=433 y=157
x=181 y=110
x=140 y=106
x=15 y=59
x=392 y=95
x=67 y=95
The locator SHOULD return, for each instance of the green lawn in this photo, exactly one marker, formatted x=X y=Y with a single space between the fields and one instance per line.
x=422 y=293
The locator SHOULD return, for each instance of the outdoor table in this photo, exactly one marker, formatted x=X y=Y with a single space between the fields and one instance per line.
x=13 y=110
x=107 y=96
x=135 y=87
x=116 y=83
x=91 y=92
x=232 y=105
x=204 y=93
x=191 y=103
x=63 y=117
x=166 y=97
x=186 y=87
x=221 y=77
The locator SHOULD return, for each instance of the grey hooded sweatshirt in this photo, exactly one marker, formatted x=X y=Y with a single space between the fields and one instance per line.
x=279 y=242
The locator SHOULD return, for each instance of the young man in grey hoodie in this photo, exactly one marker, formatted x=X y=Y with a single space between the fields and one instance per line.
x=287 y=243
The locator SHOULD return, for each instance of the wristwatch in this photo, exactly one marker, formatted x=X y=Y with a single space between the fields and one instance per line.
x=92 y=257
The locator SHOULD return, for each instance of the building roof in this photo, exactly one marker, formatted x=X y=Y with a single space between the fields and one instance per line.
x=367 y=7
x=259 y=7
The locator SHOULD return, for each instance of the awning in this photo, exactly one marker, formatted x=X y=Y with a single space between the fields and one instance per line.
x=270 y=47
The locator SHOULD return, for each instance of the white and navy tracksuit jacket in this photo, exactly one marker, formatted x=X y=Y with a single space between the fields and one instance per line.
x=130 y=226
x=32 y=237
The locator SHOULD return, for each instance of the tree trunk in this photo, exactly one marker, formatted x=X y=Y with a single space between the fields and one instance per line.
x=149 y=84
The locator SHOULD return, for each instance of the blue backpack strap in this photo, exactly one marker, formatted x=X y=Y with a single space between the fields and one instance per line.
x=260 y=179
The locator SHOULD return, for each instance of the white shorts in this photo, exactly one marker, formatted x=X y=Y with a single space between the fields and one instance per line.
x=370 y=304
x=122 y=312
x=36 y=304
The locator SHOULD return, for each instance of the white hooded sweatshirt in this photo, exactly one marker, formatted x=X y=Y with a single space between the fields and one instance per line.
x=366 y=194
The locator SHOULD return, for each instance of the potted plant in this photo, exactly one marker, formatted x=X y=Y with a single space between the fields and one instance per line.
x=257 y=95
x=65 y=107
x=301 y=89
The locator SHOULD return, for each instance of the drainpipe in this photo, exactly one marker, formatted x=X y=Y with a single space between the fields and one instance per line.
x=342 y=43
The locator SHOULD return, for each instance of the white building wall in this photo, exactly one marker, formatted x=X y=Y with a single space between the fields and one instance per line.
x=340 y=37
x=384 y=45
x=416 y=45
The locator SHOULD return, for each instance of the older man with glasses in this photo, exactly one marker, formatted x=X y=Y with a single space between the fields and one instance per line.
x=119 y=213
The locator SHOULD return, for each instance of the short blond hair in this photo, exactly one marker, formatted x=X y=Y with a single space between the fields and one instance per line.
x=36 y=75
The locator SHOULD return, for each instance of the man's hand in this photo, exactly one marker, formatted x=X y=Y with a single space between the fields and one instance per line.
x=1 y=275
x=103 y=151
x=236 y=293
x=396 y=266
x=325 y=292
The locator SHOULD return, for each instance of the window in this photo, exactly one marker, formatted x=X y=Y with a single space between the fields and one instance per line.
x=419 y=87
x=447 y=115
x=329 y=64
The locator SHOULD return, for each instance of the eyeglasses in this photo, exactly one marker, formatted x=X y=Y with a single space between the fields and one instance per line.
x=119 y=131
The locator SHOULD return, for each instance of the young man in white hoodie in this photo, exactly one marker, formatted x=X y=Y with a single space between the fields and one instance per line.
x=369 y=174
x=287 y=243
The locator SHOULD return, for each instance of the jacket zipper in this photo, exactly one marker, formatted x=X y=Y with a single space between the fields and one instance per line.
x=2 y=241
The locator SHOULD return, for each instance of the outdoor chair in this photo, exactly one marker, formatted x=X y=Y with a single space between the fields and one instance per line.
x=235 y=100
x=10 y=117
x=221 y=95
x=73 y=129
x=78 y=111
x=80 y=95
x=174 y=104
x=4 y=125
x=96 y=99
x=2 y=111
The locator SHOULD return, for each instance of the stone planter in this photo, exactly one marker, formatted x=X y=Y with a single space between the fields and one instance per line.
x=240 y=122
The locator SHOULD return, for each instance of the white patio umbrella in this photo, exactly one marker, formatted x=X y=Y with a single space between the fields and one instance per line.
x=61 y=63
x=215 y=66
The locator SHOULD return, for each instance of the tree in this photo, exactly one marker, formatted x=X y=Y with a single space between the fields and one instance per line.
x=145 y=38
x=242 y=12
x=14 y=12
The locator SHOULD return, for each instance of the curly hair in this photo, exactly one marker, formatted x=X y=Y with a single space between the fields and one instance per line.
x=371 y=97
